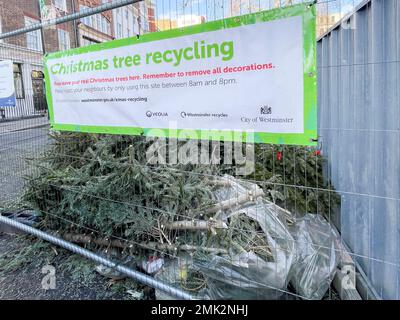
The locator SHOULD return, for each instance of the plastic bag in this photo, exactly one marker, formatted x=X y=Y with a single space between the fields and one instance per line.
x=175 y=273
x=246 y=275
x=316 y=257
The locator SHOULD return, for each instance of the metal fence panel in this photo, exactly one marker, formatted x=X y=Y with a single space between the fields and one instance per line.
x=359 y=121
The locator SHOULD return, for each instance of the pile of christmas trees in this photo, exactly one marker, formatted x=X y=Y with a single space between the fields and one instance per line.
x=102 y=191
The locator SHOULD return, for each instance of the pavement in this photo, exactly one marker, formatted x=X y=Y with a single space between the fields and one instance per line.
x=19 y=140
x=74 y=277
x=23 y=124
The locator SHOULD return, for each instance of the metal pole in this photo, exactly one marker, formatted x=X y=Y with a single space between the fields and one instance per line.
x=135 y=275
x=70 y=17
x=41 y=29
x=77 y=37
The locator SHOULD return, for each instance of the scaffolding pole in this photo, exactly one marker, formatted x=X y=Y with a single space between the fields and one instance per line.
x=70 y=17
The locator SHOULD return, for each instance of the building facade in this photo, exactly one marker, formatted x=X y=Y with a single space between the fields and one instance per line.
x=122 y=22
x=180 y=22
x=62 y=36
x=239 y=7
x=95 y=28
x=327 y=21
x=26 y=53
x=135 y=19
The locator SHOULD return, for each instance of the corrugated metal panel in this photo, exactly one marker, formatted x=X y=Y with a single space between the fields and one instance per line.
x=359 y=125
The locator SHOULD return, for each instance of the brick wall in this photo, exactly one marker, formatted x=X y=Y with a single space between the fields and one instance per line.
x=12 y=13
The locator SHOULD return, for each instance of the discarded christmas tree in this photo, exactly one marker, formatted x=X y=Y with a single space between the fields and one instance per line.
x=102 y=191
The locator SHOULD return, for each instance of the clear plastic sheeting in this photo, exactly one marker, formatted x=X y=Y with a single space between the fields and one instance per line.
x=179 y=273
x=316 y=256
x=261 y=259
x=247 y=275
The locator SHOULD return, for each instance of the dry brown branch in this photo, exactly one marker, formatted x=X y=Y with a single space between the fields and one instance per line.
x=198 y=225
x=223 y=205
x=87 y=239
x=184 y=247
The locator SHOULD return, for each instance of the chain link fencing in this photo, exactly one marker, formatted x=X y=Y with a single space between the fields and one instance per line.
x=282 y=231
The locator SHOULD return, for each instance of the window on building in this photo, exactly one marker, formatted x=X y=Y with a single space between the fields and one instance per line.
x=103 y=25
x=18 y=82
x=63 y=40
x=106 y=26
x=93 y=23
x=118 y=23
x=85 y=20
x=98 y=22
x=33 y=38
x=60 y=4
x=1 y=29
x=135 y=25
x=36 y=74
x=122 y=22
x=119 y=30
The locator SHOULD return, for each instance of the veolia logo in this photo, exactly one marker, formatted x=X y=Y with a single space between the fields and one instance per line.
x=150 y=114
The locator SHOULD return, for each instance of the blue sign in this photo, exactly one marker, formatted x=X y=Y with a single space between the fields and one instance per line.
x=7 y=89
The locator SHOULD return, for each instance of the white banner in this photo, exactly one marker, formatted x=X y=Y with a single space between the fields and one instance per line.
x=248 y=77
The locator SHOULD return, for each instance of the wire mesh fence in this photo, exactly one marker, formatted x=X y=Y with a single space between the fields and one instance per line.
x=204 y=226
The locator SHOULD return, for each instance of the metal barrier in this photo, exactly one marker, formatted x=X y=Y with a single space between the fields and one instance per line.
x=142 y=278
x=294 y=177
